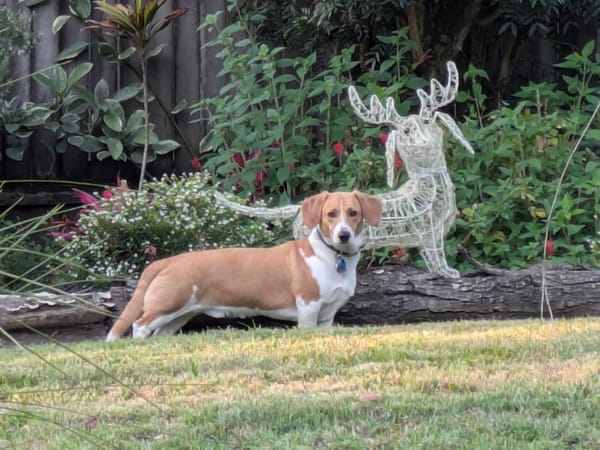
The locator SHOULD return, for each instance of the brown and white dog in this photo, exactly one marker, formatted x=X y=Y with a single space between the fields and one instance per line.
x=305 y=281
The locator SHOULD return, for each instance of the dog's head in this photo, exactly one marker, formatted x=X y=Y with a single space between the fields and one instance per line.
x=341 y=216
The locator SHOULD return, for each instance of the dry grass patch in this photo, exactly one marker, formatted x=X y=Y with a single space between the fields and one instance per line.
x=452 y=385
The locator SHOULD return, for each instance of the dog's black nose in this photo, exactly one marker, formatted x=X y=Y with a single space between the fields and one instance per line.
x=344 y=236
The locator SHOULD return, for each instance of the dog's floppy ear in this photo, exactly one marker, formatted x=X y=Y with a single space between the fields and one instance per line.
x=371 y=207
x=311 y=209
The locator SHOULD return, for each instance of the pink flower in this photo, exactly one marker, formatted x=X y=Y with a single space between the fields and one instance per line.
x=87 y=199
x=338 y=148
x=383 y=138
x=196 y=164
x=106 y=194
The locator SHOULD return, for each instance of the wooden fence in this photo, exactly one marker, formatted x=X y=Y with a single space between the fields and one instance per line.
x=184 y=70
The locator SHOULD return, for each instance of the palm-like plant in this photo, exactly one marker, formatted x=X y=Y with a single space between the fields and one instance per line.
x=138 y=23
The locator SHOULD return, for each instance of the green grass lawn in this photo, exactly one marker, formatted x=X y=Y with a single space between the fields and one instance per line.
x=517 y=384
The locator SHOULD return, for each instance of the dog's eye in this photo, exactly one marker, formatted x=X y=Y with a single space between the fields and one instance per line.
x=352 y=213
x=332 y=214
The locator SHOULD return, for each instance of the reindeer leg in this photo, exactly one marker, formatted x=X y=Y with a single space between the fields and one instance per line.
x=432 y=251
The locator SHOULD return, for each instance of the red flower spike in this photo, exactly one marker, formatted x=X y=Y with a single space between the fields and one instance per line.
x=338 y=148
x=196 y=164
x=239 y=159
x=550 y=247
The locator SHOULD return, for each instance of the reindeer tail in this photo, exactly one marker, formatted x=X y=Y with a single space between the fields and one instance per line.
x=281 y=212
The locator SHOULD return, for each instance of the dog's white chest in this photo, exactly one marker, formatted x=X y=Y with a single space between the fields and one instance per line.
x=334 y=286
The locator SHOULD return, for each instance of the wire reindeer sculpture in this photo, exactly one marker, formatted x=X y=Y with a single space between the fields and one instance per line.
x=420 y=211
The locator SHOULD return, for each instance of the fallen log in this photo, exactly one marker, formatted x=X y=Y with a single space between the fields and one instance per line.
x=48 y=310
x=391 y=294
x=400 y=293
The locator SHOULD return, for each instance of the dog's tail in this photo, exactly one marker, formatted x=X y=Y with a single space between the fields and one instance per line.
x=281 y=212
x=133 y=310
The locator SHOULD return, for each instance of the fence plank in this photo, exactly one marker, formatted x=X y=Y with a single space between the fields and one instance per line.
x=183 y=71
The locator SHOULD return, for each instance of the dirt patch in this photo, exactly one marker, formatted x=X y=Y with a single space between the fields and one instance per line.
x=65 y=335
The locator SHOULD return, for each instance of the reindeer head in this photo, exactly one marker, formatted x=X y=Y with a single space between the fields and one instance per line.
x=416 y=132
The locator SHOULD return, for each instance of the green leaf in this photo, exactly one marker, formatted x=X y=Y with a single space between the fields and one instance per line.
x=59 y=22
x=60 y=78
x=113 y=121
x=126 y=53
x=155 y=51
x=61 y=146
x=30 y=3
x=72 y=51
x=80 y=8
x=115 y=147
x=80 y=71
x=86 y=143
x=283 y=175
x=164 y=147
x=137 y=155
x=127 y=92
x=183 y=104
x=15 y=153
x=11 y=127
x=101 y=91
x=588 y=49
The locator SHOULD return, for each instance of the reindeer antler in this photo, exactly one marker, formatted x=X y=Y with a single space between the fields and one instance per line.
x=377 y=113
x=440 y=95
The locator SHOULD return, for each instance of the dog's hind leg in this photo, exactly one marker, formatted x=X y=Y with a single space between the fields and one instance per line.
x=171 y=328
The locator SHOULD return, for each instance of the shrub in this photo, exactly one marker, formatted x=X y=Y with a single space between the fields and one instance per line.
x=123 y=230
x=505 y=193
x=283 y=128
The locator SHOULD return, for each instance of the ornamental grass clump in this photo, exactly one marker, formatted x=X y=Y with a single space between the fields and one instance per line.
x=124 y=230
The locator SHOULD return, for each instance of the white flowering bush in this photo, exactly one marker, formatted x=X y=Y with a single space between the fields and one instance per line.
x=121 y=232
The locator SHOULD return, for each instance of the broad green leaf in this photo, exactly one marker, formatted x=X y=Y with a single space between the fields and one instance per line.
x=115 y=147
x=72 y=51
x=61 y=146
x=283 y=174
x=30 y=3
x=15 y=153
x=80 y=71
x=126 y=53
x=59 y=22
x=588 y=49
x=113 y=121
x=164 y=147
x=80 y=8
x=60 y=78
x=127 y=92
x=11 y=127
x=155 y=51
x=86 y=143
x=101 y=91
